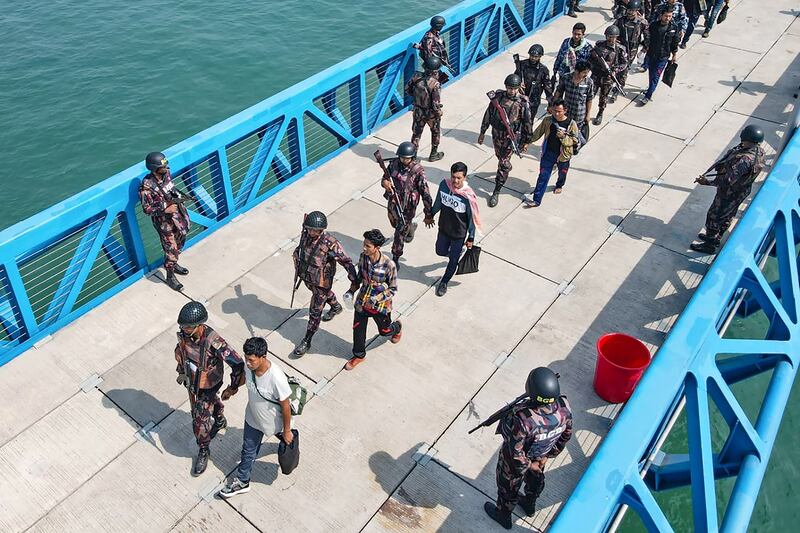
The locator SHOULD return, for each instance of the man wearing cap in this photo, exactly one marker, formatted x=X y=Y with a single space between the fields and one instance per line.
x=535 y=78
x=733 y=175
x=376 y=284
x=201 y=355
x=533 y=430
x=315 y=261
x=508 y=109
x=162 y=202
x=406 y=186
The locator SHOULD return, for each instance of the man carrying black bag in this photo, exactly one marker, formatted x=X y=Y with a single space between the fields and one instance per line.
x=268 y=412
x=458 y=219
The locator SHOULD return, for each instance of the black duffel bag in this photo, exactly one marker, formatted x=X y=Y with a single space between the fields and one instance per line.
x=289 y=456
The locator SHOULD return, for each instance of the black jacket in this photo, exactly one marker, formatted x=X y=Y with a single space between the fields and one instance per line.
x=663 y=41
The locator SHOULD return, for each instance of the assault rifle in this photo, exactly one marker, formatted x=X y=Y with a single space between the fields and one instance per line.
x=504 y=118
x=611 y=75
x=445 y=63
x=397 y=206
x=500 y=413
x=300 y=260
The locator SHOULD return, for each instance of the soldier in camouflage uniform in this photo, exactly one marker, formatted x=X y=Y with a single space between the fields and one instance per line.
x=315 y=264
x=608 y=57
x=533 y=431
x=518 y=112
x=201 y=355
x=163 y=203
x=432 y=44
x=425 y=88
x=734 y=177
x=622 y=6
x=634 y=31
x=535 y=78
x=407 y=186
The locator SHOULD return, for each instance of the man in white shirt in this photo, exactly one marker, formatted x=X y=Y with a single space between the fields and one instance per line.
x=268 y=411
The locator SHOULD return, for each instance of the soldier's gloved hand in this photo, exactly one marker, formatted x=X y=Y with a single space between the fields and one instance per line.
x=228 y=392
x=182 y=380
x=481 y=138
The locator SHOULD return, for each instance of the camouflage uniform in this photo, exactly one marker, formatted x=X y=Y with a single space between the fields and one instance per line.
x=432 y=44
x=536 y=78
x=156 y=196
x=617 y=60
x=426 y=91
x=621 y=8
x=518 y=112
x=411 y=185
x=632 y=34
x=206 y=355
x=315 y=262
x=737 y=169
x=529 y=433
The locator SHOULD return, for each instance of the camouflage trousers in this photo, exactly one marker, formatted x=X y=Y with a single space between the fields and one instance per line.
x=503 y=150
x=508 y=484
x=603 y=85
x=319 y=297
x=207 y=408
x=421 y=119
x=400 y=230
x=172 y=236
x=724 y=207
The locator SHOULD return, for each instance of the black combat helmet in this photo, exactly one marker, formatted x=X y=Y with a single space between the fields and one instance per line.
x=634 y=5
x=433 y=63
x=406 y=149
x=437 y=22
x=612 y=31
x=316 y=220
x=542 y=385
x=752 y=133
x=513 y=80
x=155 y=160
x=536 y=50
x=192 y=314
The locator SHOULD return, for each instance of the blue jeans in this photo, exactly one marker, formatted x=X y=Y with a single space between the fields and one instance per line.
x=450 y=248
x=655 y=67
x=549 y=160
x=251 y=445
x=693 y=14
x=712 y=12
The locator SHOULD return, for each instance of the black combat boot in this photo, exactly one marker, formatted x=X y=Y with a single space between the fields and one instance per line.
x=181 y=271
x=528 y=504
x=504 y=519
x=411 y=231
x=598 y=119
x=332 y=312
x=571 y=13
x=706 y=247
x=435 y=154
x=304 y=346
x=172 y=281
x=705 y=237
x=201 y=462
x=577 y=7
x=494 y=198
x=220 y=424
x=396 y=259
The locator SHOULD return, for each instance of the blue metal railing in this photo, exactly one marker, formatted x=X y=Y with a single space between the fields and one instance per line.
x=59 y=264
x=696 y=366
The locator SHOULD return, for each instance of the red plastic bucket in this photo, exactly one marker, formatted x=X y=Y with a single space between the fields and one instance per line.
x=621 y=361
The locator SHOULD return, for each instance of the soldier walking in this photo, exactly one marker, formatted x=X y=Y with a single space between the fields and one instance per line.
x=403 y=190
x=622 y=6
x=315 y=261
x=609 y=60
x=200 y=354
x=162 y=201
x=425 y=88
x=634 y=31
x=734 y=175
x=573 y=7
x=432 y=44
x=533 y=431
x=509 y=115
x=376 y=284
x=535 y=78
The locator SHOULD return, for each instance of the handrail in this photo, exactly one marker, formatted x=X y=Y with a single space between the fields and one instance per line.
x=62 y=262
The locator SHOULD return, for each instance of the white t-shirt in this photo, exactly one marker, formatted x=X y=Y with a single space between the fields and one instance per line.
x=261 y=414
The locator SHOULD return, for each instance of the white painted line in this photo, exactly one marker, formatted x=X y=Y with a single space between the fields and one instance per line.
x=500 y=359
x=41 y=342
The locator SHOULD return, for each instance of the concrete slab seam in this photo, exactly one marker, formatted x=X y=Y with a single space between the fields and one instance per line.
x=322 y=387
x=424 y=454
x=210 y=491
x=91 y=383
x=143 y=434
x=41 y=342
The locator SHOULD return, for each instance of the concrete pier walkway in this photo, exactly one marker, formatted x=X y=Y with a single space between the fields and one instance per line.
x=96 y=434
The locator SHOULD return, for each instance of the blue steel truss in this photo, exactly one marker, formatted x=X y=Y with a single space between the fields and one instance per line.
x=696 y=365
x=62 y=262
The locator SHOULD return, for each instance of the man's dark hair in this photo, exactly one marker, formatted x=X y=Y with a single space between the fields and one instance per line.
x=458 y=166
x=255 y=346
x=558 y=102
x=582 y=65
x=579 y=26
x=375 y=237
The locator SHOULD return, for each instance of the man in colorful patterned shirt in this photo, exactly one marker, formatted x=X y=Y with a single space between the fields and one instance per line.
x=573 y=49
x=315 y=264
x=377 y=280
x=533 y=431
x=201 y=355
x=161 y=201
